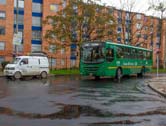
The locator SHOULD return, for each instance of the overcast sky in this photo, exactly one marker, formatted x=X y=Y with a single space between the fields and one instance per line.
x=139 y=6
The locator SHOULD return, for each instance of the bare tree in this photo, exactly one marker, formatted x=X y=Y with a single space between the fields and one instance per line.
x=134 y=25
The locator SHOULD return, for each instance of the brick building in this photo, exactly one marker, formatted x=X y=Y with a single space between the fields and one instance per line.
x=31 y=13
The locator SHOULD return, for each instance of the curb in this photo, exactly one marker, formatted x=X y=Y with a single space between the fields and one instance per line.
x=158 y=84
x=156 y=90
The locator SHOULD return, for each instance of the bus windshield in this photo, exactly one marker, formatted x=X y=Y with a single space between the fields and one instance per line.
x=92 y=53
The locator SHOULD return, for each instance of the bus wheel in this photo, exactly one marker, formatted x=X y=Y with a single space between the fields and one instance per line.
x=118 y=74
x=97 y=77
x=17 y=75
x=142 y=73
x=43 y=74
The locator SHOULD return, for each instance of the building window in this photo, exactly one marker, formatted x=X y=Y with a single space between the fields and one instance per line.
x=2 y=15
x=64 y=3
x=138 y=25
x=158 y=39
x=2 y=45
x=145 y=36
x=127 y=16
x=128 y=22
x=2 y=30
x=127 y=35
x=54 y=7
x=36 y=35
x=119 y=29
x=138 y=35
x=36 y=7
x=146 y=28
x=2 y=59
x=62 y=50
x=158 y=45
x=138 y=16
x=52 y=62
x=52 y=48
x=20 y=19
x=20 y=3
x=119 y=39
x=75 y=8
x=73 y=63
x=2 y=1
x=119 y=14
x=36 y=21
x=20 y=48
x=62 y=62
x=111 y=10
x=36 y=47
x=128 y=30
x=119 y=20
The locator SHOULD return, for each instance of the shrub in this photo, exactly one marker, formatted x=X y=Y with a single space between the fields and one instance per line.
x=3 y=64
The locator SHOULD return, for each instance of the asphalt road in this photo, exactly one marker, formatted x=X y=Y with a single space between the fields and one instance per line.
x=77 y=101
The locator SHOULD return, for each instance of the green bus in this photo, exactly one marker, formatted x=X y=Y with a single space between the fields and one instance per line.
x=106 y=58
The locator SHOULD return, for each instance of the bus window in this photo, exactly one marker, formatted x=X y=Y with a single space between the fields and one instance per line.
x=126 y=53
x=133 y=52
x=140 y=54
x=109 y=55
x=144 y=55
x=148 y=56
x=119 y=53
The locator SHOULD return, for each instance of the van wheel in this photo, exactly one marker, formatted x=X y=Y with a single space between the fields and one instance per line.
x=43 y=74
x=17 y=75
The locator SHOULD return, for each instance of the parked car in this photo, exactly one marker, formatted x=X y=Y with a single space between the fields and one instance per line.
x=32 y=65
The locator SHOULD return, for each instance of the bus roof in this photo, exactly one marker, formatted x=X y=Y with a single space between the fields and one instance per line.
x=112 y=43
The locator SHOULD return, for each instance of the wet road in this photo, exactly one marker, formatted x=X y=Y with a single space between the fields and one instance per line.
x=76 y=101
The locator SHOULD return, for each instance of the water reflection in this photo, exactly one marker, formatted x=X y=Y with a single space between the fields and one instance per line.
x=103 y=102
x=75 y=111
x=4 y=91
x=64 y=84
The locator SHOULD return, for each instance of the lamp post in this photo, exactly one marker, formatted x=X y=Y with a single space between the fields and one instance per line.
x=157 y=64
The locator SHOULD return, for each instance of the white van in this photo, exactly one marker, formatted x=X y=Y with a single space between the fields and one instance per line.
x=27 y=66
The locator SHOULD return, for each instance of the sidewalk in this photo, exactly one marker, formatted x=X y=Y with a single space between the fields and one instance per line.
x=1 y=74
x=158 y=84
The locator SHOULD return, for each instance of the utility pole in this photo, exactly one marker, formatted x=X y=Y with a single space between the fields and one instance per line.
x=157 y=64
x=165 y=48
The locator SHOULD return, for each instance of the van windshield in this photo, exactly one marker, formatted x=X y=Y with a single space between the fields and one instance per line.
x=16 y=60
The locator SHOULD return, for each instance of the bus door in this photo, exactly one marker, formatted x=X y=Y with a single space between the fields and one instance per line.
x=109 y=54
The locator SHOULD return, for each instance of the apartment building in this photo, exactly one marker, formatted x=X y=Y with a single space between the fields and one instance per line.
x=26 y=16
